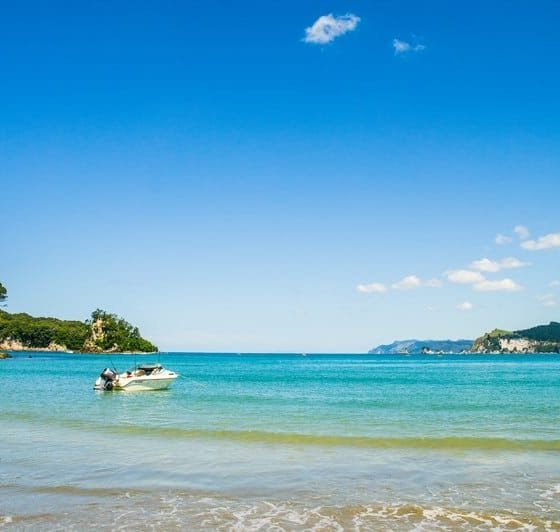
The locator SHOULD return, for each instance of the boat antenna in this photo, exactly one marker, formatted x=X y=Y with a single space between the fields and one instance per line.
x=113 y=364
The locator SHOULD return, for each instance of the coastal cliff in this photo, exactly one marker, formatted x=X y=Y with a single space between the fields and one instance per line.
x=540 y=339
x=104 y=332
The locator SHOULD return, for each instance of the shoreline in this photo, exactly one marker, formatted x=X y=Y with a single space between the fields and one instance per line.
x=65 y=352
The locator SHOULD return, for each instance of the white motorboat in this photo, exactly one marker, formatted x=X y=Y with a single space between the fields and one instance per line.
x=142 y=378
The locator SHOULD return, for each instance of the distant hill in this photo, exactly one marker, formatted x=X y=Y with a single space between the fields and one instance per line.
x=103 y=333
x=539 y=339
x=423 y=346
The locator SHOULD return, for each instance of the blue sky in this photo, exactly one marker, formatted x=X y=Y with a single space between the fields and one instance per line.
x=275 y=177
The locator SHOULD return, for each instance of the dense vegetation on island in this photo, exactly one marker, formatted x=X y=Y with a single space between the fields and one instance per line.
x=108 y=332
x=103 y=332
x=3 y=297
x=539 y=339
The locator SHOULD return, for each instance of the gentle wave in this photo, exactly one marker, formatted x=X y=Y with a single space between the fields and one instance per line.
x=210 y=513
x=440 y=443
x=458 y=443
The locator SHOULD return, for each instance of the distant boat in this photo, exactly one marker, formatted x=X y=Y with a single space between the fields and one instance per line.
x=142 y=378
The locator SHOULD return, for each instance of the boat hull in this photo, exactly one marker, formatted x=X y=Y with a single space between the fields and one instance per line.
x=140 y=385
x=143 y=379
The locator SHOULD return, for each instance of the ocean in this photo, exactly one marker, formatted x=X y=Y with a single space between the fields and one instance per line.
x=283 y=442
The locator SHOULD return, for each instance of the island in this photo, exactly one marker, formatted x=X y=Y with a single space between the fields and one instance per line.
x=426 y=347
x=103 y=333
x=539 y=339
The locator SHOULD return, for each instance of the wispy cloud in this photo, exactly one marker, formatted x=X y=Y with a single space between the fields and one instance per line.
x=502 y=240
x=466 y=305
x=372 y=288
x=554 y=284
x=465 y=277
x=407 y=283
x=410 y=282
x=403 y=47
x=328 y=27
x=551 y=240
x=502 y=285
x=487 y=265
x=521 y=231
x=548 y=300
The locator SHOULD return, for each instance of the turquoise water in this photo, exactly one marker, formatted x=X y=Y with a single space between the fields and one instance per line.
x=283 y=442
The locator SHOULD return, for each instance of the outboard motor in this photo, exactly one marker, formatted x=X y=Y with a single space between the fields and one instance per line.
x=108 y=376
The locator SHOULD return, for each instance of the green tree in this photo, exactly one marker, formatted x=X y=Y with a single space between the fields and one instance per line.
x=3 y=293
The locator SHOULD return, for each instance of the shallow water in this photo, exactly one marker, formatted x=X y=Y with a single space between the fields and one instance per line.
x=283 y=442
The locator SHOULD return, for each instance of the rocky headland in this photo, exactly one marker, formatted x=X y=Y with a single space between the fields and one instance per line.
x=103 y=333
x=539 y=339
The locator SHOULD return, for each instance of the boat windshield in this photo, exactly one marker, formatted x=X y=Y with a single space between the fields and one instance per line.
x=145 y=369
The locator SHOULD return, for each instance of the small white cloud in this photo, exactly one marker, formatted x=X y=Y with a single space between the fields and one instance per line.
x=402 y=47
x=521 y=231
x=465 y=277
x=430 y=308
x=487 y=265
x=554 y=284
x=372 y=288
x=548 y=300
x=407 y=283
x=502 y=240
x=503 y=285
x=466 y=305
x=328 y=27
x=551 y=240
x=511 y=263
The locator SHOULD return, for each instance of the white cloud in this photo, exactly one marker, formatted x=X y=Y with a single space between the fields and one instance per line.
x=466 y=305
x=328 y=27
x=402 y=47
x=510 y=263
x=554 y=284
x=372 y=288
x=548 y=300
x=503 y=285
x=407 y=283
x=551 y=240
x=502 y=240
x=487 y=265
x=465 y=277
x=521 y=231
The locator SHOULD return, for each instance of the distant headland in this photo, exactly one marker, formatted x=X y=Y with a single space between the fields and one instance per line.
x=103 y=333
x=539 y=339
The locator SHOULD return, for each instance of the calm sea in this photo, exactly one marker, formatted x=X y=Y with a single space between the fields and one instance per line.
x=283 y=442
